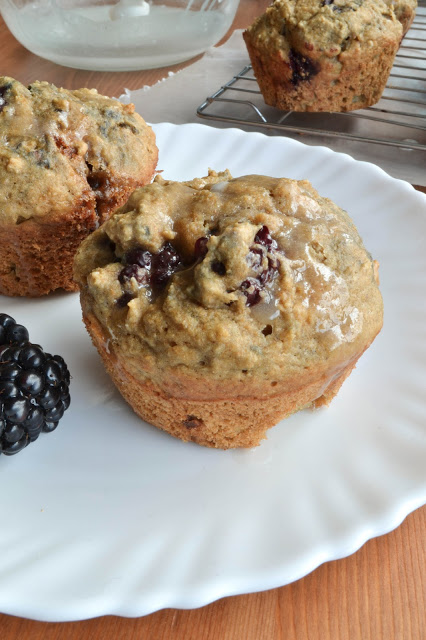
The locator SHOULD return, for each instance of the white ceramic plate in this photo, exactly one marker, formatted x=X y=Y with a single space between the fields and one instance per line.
x=108 y=515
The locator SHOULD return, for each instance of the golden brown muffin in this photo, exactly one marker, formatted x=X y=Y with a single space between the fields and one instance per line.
x=323 y=55
x=405 y=11
x=220 y=305
x=67 y=160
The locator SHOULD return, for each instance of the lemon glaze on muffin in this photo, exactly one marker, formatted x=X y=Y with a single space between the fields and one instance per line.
x=222 y=305
x=67 y=160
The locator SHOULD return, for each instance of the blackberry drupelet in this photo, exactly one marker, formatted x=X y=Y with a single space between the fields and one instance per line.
x=34 y=388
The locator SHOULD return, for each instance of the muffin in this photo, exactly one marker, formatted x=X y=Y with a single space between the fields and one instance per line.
x=220 y=305
x=323 y=55
x=67 y=160
x=405 y=11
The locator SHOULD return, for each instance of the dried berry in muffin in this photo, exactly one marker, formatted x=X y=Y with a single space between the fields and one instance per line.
x=302 y=67
x=143 y=268
x=34 y=388
x=153 y=270
x=4 y=88
x=265 y=264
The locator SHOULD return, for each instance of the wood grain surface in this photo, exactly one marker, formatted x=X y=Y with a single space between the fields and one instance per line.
x=378 y=593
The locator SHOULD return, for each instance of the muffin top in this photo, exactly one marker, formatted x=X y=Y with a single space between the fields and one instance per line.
x=324 y=27
x=231 y=278
x=404 y=10
x=58 y=146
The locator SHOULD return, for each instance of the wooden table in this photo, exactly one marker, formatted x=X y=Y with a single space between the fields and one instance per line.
x=377 y=593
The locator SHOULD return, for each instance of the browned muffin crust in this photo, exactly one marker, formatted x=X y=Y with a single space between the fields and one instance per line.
x=405 y=11
x=220 y=306
x=209 y=413
x=67 y=160
x=316 y=55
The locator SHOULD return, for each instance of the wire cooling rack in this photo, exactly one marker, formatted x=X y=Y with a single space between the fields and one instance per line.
x=397 y=120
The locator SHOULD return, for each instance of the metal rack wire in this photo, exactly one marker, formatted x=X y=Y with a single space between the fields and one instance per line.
x=397 y=120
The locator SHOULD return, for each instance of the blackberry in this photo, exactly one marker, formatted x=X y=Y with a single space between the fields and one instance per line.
x=34 y=388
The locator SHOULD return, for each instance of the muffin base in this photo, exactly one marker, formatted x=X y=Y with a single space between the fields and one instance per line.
x=37 y=257
x=354 y=80
x=221 y=422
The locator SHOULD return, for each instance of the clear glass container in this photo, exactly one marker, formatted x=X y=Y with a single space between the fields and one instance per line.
x=119 y=35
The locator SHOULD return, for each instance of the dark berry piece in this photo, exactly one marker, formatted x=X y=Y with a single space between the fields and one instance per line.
x=13 y=433
x=268 y=274
x=200 y=248
x=15 y=410
x=137 y=265
x=52 y=373
x=49 y=397
x=3 y=90
x=148 y=269
x=140 y=274
x=30 y=382
x=66 y=400
x=10 y=354
x=55 y=414
x=3 y=352
x=164 y=263
x=192 y=422
x=34 y=420
x=263 y=261
x=17 y=334
x=31 y=356
x=9 y=371
x=326 y=2
x=8 y=389
x=16 y=447
x=124 y=300
x=63 y=367
x=251 y=289
x=140 y=257
x=218 y=267
x=49 y=426
x=303 y=68
x=6 y=320
x=264 y=238
x=64 y=389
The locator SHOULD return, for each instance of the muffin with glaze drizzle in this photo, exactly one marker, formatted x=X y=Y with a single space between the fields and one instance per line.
x=323 y=55
x=67 y=160
x=221 y=305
